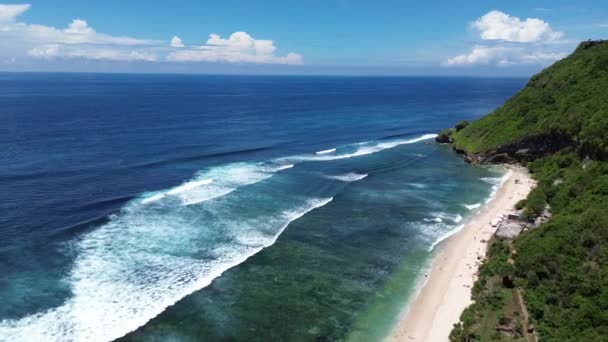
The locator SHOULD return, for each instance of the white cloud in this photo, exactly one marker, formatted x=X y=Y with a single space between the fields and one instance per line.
x=96 y=53
x=499 y=25
x=111 y=55
x=504 y=56
x=505 y=40
x=80 y=40
x=46 y=51
x=240 y=47
x=176 y=42
x=79 y=27
x=77 y=32
x=11 y=12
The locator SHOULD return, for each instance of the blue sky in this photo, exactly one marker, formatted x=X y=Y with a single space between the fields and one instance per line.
x=296 y=37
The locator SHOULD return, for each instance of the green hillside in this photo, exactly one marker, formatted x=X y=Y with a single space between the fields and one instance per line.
x=559 y=269
x=566 y=104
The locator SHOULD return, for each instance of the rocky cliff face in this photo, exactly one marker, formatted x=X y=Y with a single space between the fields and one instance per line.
x=565 y=105
x=523 y=150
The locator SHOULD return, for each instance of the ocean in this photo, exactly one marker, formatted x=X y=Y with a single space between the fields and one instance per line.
x=227 y=208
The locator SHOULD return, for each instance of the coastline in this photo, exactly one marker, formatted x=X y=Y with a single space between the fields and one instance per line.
x=445 y=291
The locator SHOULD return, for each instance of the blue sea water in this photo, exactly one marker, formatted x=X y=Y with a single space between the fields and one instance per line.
x=173 y=207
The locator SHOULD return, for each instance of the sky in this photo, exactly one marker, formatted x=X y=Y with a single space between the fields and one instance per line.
x=312 y=37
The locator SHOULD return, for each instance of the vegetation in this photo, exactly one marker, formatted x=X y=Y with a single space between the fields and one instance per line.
x=462 y=124
x=445 y=136
x=561 y=267
x=496 y=313
x=567 y=101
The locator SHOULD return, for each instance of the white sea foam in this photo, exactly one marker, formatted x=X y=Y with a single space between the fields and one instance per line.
x=148 y=257
x=492 y=180
x=497 y=183
x=349 y=177
x=189 y=186
x=153 y=198
x=360 y=149
x=216 y=182
x=440 y=217
x=445 y=236
x=284 y=167
x=418 y=185
x=132 y=268
x=472 y=206
x=331 y=150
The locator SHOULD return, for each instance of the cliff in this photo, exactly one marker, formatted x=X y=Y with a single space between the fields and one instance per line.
x=553 y=278
x=565 y=105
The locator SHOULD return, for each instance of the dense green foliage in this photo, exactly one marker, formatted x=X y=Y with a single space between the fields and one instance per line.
x=495 y=314
x=568 y=99
x=462 y=124
x=563 y=265
x=560 y=267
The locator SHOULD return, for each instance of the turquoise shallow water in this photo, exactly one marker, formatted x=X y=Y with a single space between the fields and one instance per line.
x=344 y=270
x=164 y=207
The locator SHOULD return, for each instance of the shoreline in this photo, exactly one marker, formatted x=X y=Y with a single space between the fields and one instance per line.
x=445 y=291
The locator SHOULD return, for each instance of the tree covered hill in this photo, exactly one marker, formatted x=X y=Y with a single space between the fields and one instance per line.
x=564 y=105
x=557 y=126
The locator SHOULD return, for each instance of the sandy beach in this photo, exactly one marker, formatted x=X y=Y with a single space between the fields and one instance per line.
x=446 y=289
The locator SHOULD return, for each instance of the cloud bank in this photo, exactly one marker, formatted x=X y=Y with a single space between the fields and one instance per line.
x=505 y=40
x=79 y=40
x=501 y=26
x=240 y=47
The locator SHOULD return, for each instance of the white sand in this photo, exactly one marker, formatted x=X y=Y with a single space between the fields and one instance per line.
x=446 y=291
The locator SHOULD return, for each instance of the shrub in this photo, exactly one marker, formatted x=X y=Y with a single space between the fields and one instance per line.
x=462 y=124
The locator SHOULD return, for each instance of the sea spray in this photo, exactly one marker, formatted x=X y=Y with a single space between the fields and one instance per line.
x=160 y=232
x=349 y=177
x=112 y=297
x=497 y=183
x=360 y=149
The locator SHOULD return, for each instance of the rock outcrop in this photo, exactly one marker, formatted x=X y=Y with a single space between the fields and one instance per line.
x=523 y=150
x=445 y=136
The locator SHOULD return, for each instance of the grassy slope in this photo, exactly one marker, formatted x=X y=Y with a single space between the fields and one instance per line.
x=561 y=267
x=569 y=98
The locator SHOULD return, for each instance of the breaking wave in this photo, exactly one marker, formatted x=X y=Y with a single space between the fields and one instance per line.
x=331 y=150
x=472 y=206
x=349 y=177
x=356 y=150
x=144 y=260
x=166 y=244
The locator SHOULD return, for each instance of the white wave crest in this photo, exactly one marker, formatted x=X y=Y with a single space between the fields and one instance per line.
x=349 y=177
x=441 y=217
x=189 y=186
x=361 y=149
x=153 y=198
x=445 y=236
x=498 y=182
x=331 y=150
x=491 y=180
x=284 y=167
x=132 y=268
x=472 y=206
x=216 y=182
